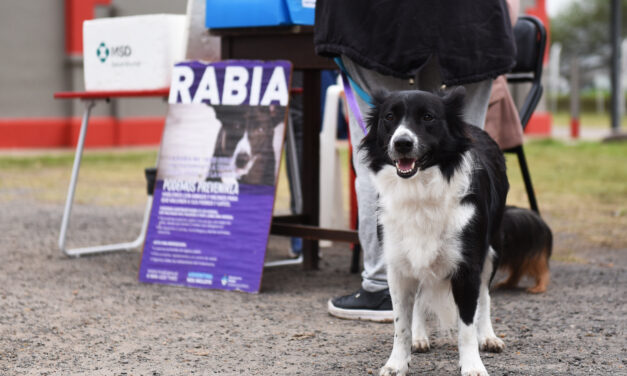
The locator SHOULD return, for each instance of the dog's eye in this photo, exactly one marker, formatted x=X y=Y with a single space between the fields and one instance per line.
x=389 y=116
x=427 y=117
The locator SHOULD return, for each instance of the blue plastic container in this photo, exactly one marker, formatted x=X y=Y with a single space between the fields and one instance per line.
x=246 y=13
x=302 y=12
x=252 y=13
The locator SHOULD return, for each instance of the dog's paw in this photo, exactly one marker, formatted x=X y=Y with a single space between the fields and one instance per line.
x=392 y=371
x=537 y=289
x=491 y=344
x=395 y=368
x=420 y=345
x=474 y=368
x=505 y=285
x=475 y=371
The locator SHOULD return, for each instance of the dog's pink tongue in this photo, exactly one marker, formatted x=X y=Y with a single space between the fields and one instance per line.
x=405 y=164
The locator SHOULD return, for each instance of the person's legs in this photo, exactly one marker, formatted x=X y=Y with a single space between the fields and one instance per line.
x=477 y=93
x=374 y=275
x=372 y=301
x=476 y=102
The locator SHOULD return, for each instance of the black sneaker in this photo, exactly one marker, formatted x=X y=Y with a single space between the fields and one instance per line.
x=363 y=305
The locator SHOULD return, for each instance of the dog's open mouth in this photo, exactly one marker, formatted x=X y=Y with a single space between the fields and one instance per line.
x=406 y=167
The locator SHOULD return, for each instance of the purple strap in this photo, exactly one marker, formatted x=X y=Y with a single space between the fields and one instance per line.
x=352 y=102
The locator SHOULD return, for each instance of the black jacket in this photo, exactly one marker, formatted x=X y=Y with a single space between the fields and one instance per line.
x=472 y=39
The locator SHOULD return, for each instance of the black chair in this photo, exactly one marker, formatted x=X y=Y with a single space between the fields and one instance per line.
x=530 y=36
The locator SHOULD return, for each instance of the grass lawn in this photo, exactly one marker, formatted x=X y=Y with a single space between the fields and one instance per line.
x=581 y=187
x=112 y=178
x=587 y=119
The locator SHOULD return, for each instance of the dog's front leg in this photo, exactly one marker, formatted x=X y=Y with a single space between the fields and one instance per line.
x=419 y=333
x=465 y=285
x=488 y=341
x=403 y=292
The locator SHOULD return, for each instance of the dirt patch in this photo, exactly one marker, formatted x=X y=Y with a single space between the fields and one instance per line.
x=90 y=316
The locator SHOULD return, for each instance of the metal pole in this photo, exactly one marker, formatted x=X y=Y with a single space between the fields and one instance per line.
x=67 y=211
x=574 y=98
x=554 y=73
x=616 y=58
x=623 y=80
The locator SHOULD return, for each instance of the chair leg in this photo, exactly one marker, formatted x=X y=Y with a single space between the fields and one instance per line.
x=354 y=216
x=527 y=179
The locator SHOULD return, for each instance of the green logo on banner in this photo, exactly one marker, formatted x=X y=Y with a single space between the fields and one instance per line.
x=102 y=52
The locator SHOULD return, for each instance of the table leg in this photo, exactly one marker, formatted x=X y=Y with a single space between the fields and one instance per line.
x=69 y=201
x=310 y=174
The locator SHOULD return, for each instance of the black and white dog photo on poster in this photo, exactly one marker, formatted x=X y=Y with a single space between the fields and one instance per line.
x=248 y=145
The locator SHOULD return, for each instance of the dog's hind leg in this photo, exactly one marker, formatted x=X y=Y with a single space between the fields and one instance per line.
x=541 y=274
x=515 y=273
x=419 y=334
x=488 y=341
x=403 y=292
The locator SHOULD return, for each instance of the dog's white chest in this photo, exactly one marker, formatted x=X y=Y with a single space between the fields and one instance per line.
x=422 y=220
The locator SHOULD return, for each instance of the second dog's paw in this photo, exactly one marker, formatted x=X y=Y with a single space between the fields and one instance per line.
x=491 y=344
x=505 y=285
x=537 y=289
x=420 y=345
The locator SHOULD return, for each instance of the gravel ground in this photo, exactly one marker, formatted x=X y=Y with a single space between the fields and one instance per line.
x=90 y=316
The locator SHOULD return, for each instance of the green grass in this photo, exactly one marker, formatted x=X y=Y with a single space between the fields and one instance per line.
x=112 y=178
x=90 y=159
x=587 y=119
x=592 y=170
x=581 y=187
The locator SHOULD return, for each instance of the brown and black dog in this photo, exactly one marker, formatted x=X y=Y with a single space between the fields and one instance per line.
x=526 y=248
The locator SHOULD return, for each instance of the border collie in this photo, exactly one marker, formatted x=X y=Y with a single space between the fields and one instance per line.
x=442 y=188
x=245 y=147
x=526 y=248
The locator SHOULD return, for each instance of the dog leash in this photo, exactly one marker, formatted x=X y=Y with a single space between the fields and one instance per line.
x=350 y=96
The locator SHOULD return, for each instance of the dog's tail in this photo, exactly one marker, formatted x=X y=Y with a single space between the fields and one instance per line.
x=524 y=236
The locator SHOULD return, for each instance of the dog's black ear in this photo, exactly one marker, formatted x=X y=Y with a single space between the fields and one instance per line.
x=379 y=96
x=377 y=99
x=454 y=99
x=371 y=143
x=454 y=106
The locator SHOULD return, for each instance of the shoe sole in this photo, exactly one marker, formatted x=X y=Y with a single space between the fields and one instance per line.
x=360 y=314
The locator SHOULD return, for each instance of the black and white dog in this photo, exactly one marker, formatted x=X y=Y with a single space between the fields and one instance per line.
x=442 y=188
x=245 y=147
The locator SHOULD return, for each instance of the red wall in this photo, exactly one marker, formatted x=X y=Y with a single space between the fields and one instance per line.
x=63 y=132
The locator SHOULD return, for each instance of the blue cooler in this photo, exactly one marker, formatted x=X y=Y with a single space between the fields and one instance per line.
x=302 y=12
x=252 y=13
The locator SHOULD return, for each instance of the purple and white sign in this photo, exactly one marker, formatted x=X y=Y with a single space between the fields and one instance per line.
x=216 y=175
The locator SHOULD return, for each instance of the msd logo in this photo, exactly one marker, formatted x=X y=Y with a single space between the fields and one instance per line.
x=103 y=52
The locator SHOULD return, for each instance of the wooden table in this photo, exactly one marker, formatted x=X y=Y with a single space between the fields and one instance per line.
x=293 y=43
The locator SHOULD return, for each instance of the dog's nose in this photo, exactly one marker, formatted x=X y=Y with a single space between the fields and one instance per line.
x=403 y=144
x=242 y=160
